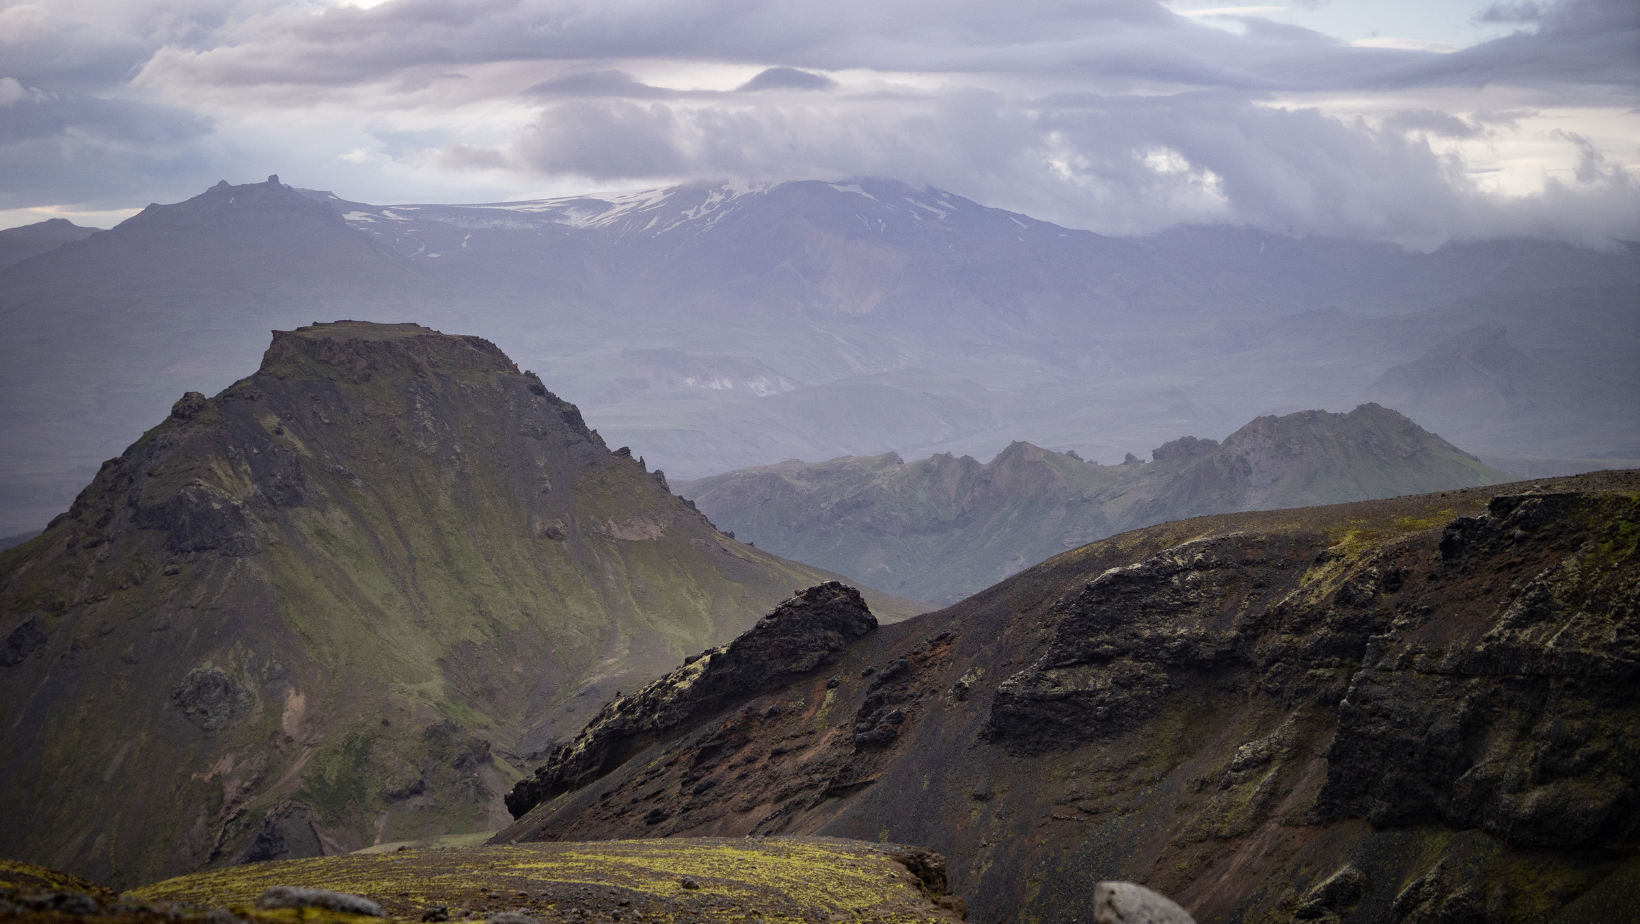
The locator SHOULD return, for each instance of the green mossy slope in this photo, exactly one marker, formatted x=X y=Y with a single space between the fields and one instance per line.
x=343 y=602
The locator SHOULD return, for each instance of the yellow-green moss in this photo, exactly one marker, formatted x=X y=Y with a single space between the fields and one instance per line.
x=777 y=879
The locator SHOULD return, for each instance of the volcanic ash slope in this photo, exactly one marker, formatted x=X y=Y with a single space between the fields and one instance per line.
x=327 y=607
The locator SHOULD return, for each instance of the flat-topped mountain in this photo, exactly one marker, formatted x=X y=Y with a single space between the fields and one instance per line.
x=1422 y=709
x=333 y=604
x=942 y=528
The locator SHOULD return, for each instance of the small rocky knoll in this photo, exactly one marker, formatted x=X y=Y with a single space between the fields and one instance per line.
x=942 y=528
x=349 y=600
x=1412 y=710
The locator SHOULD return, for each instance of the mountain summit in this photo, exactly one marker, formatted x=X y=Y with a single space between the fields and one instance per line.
x=327 y=607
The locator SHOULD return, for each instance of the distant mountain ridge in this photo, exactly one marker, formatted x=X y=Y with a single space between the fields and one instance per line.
x=20 y=243
x=867 y=246
x=715 y=328
x=942 y=528
x=333 y=605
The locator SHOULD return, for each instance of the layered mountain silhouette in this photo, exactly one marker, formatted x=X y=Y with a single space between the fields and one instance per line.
x=105 y=332
x=942 y=528
x=334 y=604
x=1418 y=709
x=714 y=328
x=18 y=244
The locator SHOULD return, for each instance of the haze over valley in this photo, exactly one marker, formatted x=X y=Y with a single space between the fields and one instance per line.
x=712 y=329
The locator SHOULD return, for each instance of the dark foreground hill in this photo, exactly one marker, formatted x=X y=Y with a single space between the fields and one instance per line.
x=324 y=608
x=942 y=528
x=1412 y=710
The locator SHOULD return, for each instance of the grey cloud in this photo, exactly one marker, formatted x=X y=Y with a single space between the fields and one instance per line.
x=1131 y=164
x=396 y=144
x=1511 y=13
x=471 y=157
x=1432 y=122
x=610 y=83
x=787 y=78
x=1047 y=106
x=605 y=141
x=1592 y=166
x=1120 y=39
x=1590 y=43
x=65 y=147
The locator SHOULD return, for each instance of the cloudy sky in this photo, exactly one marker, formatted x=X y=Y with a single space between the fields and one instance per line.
x=1409 y=120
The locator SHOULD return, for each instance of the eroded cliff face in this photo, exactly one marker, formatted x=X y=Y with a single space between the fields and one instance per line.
x=348 y=600
x=1410 y=710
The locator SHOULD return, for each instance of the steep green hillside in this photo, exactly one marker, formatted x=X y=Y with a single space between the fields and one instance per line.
x=1423 y=709
x=942 y=528
x=338 y=604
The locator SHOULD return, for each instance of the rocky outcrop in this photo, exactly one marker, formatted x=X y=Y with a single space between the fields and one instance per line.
x=210 y=698
x=801 y=635
x=1136 y=633
x=1527 y=726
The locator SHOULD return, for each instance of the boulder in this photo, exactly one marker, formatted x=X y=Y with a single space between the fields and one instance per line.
x=298 y=897
x=1129 y=903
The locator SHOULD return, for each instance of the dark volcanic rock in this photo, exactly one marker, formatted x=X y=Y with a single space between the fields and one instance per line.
x=201 y=518
x=1530 y=731
x=1120 y=645
x=802 y=634
x=210 y=698
x=286 y=833
x=22 y=642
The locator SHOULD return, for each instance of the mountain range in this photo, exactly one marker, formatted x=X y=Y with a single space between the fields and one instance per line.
x=714 y=328
x=1421 y=709
x=341 y=602
x=942 y=528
